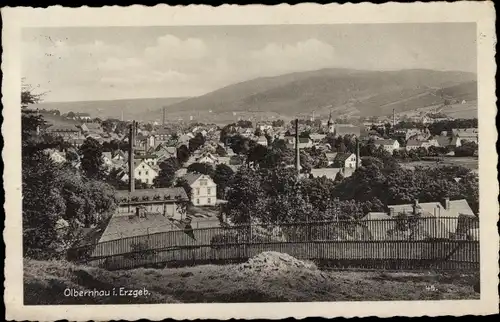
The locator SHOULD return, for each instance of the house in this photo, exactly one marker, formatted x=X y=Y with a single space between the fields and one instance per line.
x=165 y=153
x=303 y=142
x=119 y=155
x=331 y=173
x=203 y=189
x=344 y=160
x=142 y=172
x=317 y=138
x=469 y=134
x=107 y=159
x=150 y=159
x=346 y=129
x=94 y=128
x=415 y=144
x=388 y=145
x=56 y=156
x=81 y=116
x=262 y=140
x=66 y=131
x=207 y=158
x=453 y=209
x=448 y=141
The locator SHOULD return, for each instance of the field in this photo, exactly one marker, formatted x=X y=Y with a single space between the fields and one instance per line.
x=268 y=277
x=468 y=162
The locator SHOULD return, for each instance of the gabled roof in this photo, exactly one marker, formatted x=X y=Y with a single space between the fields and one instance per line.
x=331 y=155
x=341 y=157
x=457 y=208
x=63 y=128
x=414 y=143
x=192 y=177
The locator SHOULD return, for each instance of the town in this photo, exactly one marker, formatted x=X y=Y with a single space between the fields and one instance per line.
x=129 y=179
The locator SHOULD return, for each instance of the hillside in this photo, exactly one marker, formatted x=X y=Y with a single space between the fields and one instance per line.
x=147 y=109
x=346 y=91
x=267 y=277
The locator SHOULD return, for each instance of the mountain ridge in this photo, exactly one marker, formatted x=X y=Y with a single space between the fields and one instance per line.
x=342 y=91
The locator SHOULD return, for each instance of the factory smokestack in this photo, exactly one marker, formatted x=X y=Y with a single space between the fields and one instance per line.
x=297 y=152
x=163 y=119
x=393 y=118
x=131 y=139
x=358 y=158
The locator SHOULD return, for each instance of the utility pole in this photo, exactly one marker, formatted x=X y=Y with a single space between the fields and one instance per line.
x=297 y=152
x=131 y=176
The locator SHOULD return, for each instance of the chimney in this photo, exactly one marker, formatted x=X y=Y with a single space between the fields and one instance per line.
x=163 y=119
x=131 y=140
x=297 y=152
x=446 y=203
x=393 y=118
x=358 y=158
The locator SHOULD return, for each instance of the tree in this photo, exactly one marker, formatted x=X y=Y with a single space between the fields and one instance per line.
x=244 y=124
x=203 y=168
x=70 y=115
x=467 y=149
x=220 y=151
x=166 y=177
x=92 y=163
x=278 y=123
x=42 y=208
x=222 y=176
x=196 y=142
x=182 y=154
x=181 y=182
x=245 y=197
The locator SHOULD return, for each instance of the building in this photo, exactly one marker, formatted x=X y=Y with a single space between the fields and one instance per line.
x=93 y=128
x=56 y=156
x=469 y=134
x=388 y=145
x=66 y=131
x=459 y=210
x=346 y=129
x=150 y=159
x=203 y=189
x=304 y=143
x=159 y=200
x=142 y=172
x=344 y=160
x=415 y=144
x=331 y=173
x=317 y=138
x=448 y=141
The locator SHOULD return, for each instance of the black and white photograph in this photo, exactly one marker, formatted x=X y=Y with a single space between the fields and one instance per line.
x=250 y=163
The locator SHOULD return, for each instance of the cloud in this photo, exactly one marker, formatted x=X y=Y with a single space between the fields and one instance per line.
x=303 y=55
x=169 y=47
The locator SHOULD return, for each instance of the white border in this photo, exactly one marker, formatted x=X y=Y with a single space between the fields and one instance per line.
x=480 y=12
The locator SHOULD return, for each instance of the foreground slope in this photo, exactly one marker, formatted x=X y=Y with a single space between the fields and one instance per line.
x=268 y=277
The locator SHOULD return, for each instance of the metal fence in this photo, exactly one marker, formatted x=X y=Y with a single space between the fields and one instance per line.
x=403 y=243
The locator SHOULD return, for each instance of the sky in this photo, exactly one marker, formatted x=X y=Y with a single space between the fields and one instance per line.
x=96 y=63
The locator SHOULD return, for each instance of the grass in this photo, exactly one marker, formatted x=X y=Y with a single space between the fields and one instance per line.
x=45 y=282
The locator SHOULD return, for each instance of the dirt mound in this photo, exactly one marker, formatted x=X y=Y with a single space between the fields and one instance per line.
x=274 y=261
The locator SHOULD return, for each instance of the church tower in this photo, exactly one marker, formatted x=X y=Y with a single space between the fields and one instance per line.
x=330 y=125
